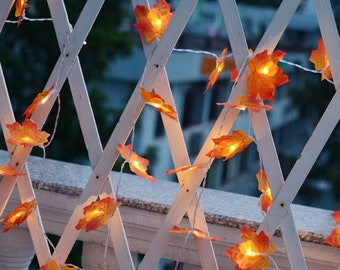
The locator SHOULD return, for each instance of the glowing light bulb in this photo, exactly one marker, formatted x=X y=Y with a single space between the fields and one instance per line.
x=137 y=165
x=26 y=139
x=43 y=101
x=232 y=147
x=158 y=22
x=251 y=253
x=95 y=213
x=265 y=70
x=156 y=105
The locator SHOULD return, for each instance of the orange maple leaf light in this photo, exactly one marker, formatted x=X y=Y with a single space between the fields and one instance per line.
x=19 y=215
x=9 y=171
x=137 y=164
x=253 y=252
x=53 y=265
x=158 y=103
x=41 y=98
x=265 y=75
x=334 y=238
x=186 y=168
x=247 y=102
x=319 y=58
x=97 y=214
x=152 y=23
x=228 y=146
x=215 y=74
x=234 y=75
x=266 y=199
x=20 y=7
x=26 y=134
x=194 y=232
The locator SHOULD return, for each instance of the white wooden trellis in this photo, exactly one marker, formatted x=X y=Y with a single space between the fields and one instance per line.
x=155 y=77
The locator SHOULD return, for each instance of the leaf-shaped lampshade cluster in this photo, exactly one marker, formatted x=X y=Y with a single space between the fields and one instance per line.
x=152 y=23
x=253 y=252
x=157 y=102
x=20 y=7
x=334 y=238
x=40 y=99
x=247 y=102
x=228 y=146
x=319 y=58
x=215 y=74
x=19 y=215
x=26 y=134
x=194 y=232
x=97 y=214
x=137 y=164
x=265 y=75
x=8 y=171
x=53 y=265
x=187 y=168
x=266 y=199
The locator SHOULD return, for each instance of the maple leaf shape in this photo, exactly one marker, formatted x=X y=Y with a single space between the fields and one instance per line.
x=158 y=103
x=334 y=238
x=20 y=7
x=215 y=74
x=186 y=168
x=26 y=134
x=253 y=252
x=319 y=58
x=19 y=214
x=151 y=24
x=234 y=75
x=194 y=232
x=53 y=265
x=247 y=102
x=96 y=214
x=228 y=146
x=137 y=164
x=265 y=75
x=266 y=199
x=9 y=171
x=41 y=98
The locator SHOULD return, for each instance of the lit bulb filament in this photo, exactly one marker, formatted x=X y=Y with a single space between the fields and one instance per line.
x=137 y=165
x=96 y=213
x=155 y=105
x=157 y=22
x=251 y=253
x=43 y=101
x=232 y=147
x=26 y=139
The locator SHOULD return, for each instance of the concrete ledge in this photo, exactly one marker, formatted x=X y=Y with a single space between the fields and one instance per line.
x=144 y=206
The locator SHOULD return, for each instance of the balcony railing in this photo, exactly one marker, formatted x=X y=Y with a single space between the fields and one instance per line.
x=144 y=207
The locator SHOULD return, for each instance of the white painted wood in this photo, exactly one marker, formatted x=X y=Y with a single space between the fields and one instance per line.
x=24 y=185
x=91 y=137
x=235 y=31
x=265 y=143
x=4 y=11
x=180 y=157
x=313 y=147
x=330 y=36
x=155 y=76
x=277 y=26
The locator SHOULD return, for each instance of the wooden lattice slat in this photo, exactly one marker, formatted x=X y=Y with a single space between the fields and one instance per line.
x=155 y=77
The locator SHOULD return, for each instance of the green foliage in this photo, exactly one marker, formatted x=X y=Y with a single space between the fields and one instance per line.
x=28 y=55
